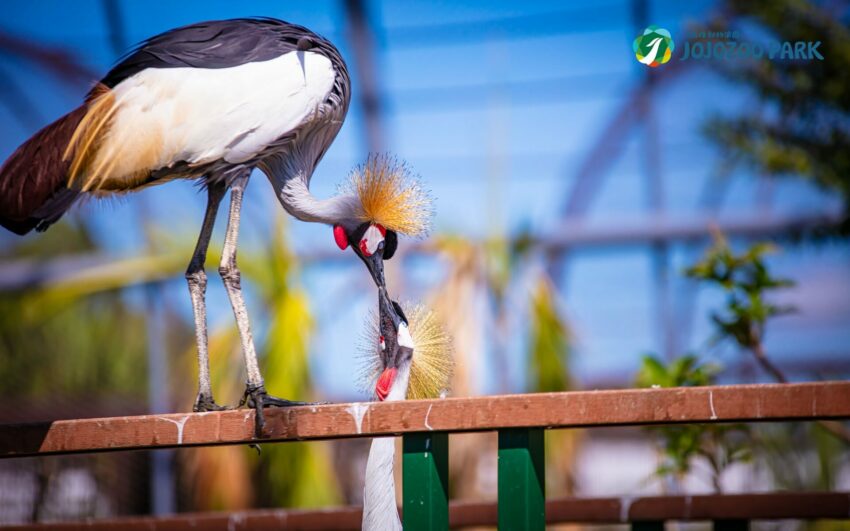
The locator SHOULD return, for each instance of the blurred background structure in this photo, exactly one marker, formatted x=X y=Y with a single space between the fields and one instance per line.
x=573 y=188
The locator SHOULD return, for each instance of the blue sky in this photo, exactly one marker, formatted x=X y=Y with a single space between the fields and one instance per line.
x=496 y=119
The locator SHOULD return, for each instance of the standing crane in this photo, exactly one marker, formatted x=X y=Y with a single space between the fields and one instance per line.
x=210 y=102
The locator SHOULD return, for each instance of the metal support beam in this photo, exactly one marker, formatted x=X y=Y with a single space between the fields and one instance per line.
x=522 y=479
x=362 y=38
x=425 y=479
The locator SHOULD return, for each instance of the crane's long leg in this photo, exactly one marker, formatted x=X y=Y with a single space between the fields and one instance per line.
x=255 y=392
x=197 y=279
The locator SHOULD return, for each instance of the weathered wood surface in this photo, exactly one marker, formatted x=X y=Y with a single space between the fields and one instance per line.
x=779 y=506
x=737 y=403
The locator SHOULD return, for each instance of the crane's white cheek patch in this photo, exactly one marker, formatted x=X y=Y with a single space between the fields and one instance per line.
x=404 y=339
x=372 y=238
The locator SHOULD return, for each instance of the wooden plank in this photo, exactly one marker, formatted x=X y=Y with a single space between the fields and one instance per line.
x=779 y=506
x=802 y=506
x=425 y=477
x=522 y=479
x=336 y=519
x=736 y=403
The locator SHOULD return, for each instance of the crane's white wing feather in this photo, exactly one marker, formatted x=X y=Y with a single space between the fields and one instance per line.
x=195 y=115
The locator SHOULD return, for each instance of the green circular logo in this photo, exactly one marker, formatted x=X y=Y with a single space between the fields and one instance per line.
x=653 y=47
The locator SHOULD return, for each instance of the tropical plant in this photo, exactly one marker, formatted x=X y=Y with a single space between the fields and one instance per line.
x=718 y=446
x=746 y=281
x=65 y=335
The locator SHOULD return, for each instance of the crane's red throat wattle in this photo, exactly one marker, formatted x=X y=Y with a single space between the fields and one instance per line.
x=385 y=383
x=340 y=237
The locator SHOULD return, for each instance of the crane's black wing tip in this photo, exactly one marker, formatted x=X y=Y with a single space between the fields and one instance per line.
x=19 y=227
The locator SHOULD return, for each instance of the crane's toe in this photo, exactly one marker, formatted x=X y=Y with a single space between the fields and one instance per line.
x=206 y=403
x=256 y=397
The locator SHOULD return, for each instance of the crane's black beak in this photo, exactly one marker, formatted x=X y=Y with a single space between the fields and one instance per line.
x=397 y=345
x=375 y=265
x=374 y=261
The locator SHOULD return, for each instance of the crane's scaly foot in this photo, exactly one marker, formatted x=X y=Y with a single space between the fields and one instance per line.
x=257 y=398
x=206 y=403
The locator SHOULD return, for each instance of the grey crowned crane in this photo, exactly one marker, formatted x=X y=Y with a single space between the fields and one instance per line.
x=414 y=363
x=210 y=102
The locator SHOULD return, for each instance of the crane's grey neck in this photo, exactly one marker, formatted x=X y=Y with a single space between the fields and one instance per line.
x=380 y=511
x=290 y=165
x=295 y=197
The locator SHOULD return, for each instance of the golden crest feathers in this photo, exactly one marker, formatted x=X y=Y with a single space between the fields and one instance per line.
x=391 y=195
x=432 y=365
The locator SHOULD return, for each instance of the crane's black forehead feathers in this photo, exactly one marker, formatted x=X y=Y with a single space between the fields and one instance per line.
x=221 y=44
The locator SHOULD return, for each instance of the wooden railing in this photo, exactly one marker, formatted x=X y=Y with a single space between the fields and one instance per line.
x=425 y=425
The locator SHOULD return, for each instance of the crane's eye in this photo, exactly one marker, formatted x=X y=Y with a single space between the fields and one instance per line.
x=340 y=237
x=372 y=239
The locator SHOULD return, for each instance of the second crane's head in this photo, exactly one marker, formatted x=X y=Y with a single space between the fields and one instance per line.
x=413 y=360
x=387 y=201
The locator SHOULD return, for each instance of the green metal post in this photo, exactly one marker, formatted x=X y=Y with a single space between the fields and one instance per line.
x=425 y=482
x=522 y=479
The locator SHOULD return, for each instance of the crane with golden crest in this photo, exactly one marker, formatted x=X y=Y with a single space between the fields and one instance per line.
x=211 y=102
x=400 y=367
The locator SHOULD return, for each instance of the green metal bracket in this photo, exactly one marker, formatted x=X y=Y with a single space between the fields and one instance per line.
x=522 y=479
x=425 y=481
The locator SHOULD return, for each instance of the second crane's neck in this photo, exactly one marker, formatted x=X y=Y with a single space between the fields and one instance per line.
x=380 y=511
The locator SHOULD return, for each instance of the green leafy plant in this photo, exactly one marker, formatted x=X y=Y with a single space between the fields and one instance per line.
x=718 y=446
x=746 y=280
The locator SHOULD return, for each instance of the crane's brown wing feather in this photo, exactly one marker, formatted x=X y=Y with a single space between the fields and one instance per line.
x=33 y=192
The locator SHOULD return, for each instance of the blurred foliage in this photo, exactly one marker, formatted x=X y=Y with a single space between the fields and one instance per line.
x=746 y=280
x=283 y=475
x=68 y=349
x=296 y=474
x=80 y=336
x=718 y=445
x=549 y=342
x=802 y=130
x=503 y=274
x=685 y=371
x=549 y=345
x=801 y=456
